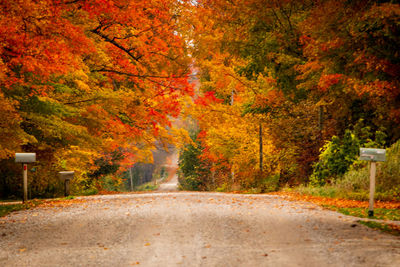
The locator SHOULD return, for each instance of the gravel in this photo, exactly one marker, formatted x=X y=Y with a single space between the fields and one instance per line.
x=190 y=229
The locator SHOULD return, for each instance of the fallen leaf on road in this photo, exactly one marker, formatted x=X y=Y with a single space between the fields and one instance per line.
x=147 y=244
x=207 y=246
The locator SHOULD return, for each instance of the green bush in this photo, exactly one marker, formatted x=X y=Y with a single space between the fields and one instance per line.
x=192 y=170
x=89 y=192
x=354 y=184
x=223 y=188
x=336 y=158
x=112 y=183
x=323 y=191
x=355 y=180
x=191 y=183
x=387 y=177
x=146 y=187
x=340 y=154
x=270 y=184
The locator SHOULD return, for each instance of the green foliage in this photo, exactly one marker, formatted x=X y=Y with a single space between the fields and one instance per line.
x=270 y=184
x=89 y=192
x=382 y=226
x=163 y=173
x=223 y=188
x=82 y=185
x=354 y=184
x=8 y=208
x=191 y=183
x=113 y=183
x=191 y=168
x=325 y=191
x=336 y=157
x=379 y=213
x=339 y=154
x=387 y=177
x=146 y=187
x=188 y=158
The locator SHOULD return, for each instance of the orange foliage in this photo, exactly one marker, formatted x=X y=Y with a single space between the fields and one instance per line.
x=341 y=203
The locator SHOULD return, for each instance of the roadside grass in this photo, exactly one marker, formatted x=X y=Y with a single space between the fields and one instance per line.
x=8 y=208
x=336 y=192
x=379 y=213
x=150 y=186
x=384 y=210
x=387 y=228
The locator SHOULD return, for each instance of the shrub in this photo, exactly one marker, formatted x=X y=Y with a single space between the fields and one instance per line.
x=339 y=154
x=270 y=184
x=336 y=157
x=192 y=170
x=191 y=183
x=112 y=183
x=355 y=183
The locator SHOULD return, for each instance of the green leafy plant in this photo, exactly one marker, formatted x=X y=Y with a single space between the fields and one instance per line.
x=339 y=156
x=191 y=168
x=336 y=158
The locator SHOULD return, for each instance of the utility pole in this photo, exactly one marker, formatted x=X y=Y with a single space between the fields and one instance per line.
x=130 y=174
x=321 y=118
x=261 y=148
x=232 y=171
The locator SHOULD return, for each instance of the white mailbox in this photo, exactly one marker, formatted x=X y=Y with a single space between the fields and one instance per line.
x=25 y=157
x=66 y=175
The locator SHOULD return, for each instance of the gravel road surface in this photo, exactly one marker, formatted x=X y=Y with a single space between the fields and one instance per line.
x=190 y=229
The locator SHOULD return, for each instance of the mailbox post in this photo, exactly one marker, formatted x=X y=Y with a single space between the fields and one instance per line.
x=25 y=158
x=66 y=177
x=373 y=155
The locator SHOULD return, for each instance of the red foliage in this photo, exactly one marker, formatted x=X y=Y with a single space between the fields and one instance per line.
x=207 y=99
x=329 y=80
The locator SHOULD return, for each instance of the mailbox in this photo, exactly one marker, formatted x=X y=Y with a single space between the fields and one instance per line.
x=66 y=175
x=25 y=157
x=372 y=154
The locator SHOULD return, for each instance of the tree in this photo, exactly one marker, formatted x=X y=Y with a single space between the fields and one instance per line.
x=87 y=77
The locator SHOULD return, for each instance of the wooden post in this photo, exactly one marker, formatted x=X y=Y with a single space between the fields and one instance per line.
x=25 y=181
x=372 y=188
x=66 y=187
x=213 y=175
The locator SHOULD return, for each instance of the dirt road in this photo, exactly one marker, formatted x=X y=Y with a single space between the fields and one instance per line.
x=171 y=183
x=190 y=229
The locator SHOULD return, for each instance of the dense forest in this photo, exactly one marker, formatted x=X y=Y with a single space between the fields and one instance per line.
x=89 y=86
x=269 y=94
x=306 y=82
